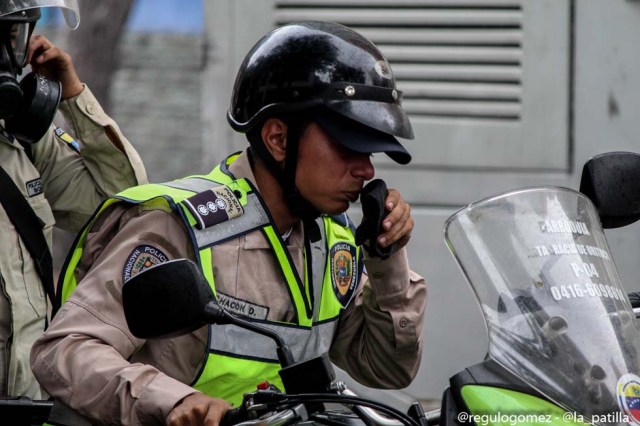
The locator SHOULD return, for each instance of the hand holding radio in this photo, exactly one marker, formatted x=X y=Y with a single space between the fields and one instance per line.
x=387 y=222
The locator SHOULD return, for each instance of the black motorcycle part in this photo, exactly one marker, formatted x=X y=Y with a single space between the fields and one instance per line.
x=610 y=180
x=634 y=298
x=312 y=376
x=235 y=416
x=416 y=412
x=24 y=411
x=167 y=299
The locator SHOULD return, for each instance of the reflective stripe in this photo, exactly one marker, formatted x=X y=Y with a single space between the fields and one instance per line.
x=297 y=288
x=192 y=184
x=318 y=265
x=68 y=283
x=254 y=217
x=254 y=214
x=304 y=342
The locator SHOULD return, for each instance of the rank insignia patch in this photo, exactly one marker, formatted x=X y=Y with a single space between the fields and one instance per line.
x=344 y=271
x=214 y=206
x=141 y=258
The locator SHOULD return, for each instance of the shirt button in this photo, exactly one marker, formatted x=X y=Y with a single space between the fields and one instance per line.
x=91 y=109
x=403 y=323
x=378 y=275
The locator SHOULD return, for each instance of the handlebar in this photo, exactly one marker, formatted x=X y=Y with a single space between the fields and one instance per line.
x=373 y=415
x=274 y=409
x=241 y=416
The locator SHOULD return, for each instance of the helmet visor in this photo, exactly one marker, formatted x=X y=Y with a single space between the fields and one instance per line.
x=360 y=138
x=69 y=8
x=19 y=42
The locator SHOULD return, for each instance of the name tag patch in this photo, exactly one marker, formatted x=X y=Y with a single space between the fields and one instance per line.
x=242 y=307
x=141 y=258
x=214 y=206
x=34 y=187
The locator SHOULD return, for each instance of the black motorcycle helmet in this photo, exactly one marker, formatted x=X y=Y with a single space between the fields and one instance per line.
x=310 y=64
x=314 y=69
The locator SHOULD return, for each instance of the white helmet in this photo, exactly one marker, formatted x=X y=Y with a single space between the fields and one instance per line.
x=69 y=8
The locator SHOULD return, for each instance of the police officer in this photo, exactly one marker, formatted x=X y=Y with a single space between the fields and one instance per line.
x=63 y=178
x=268 y=229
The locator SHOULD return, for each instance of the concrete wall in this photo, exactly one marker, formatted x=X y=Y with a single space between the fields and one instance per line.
x=156 y=100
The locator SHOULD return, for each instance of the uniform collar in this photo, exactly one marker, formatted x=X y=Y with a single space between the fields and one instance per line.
x=241 y=168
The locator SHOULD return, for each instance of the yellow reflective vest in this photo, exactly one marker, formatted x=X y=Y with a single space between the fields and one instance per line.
x=239 y=359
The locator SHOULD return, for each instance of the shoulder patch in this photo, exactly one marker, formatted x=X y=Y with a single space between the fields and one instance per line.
x=214 y=206
x=141 y=258
x=344 y=271
x=34 y=187
x=66 y=138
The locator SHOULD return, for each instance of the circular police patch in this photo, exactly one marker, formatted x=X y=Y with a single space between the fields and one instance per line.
x=344 y=273
x=141 y=258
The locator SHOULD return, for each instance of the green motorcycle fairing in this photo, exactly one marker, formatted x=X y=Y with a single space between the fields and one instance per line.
x=493 y=406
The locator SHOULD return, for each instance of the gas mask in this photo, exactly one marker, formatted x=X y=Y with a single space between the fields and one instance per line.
x=29 y=105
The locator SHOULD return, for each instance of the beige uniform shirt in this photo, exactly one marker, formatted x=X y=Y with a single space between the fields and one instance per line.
x=89 y=360
x=64 y=187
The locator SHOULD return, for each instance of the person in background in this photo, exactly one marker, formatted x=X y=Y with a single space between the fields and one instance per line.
x=48 y=176
x=269 y=230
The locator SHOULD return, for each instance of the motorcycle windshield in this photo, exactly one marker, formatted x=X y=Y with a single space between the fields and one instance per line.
x=556 y=313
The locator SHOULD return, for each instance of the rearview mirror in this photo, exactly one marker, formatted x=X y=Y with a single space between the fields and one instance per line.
x=174 y=298
x=612 y=182
x=167 y=299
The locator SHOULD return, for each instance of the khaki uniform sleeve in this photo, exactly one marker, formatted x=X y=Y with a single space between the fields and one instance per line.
x=76 y=182
x=82 y=358
x=379 y=337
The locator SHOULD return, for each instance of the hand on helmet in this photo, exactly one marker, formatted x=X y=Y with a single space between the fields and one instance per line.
x=55 y=64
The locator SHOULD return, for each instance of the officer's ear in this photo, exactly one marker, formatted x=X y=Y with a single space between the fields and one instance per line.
x=274 y=137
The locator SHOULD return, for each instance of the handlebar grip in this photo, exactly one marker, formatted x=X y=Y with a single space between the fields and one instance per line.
x=234 y=416
x=634 y=298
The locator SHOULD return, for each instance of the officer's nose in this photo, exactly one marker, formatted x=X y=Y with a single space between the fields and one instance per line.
x=362 y=166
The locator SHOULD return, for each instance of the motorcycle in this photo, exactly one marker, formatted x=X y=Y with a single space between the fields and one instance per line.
x=563 y=339
x=563 y=336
